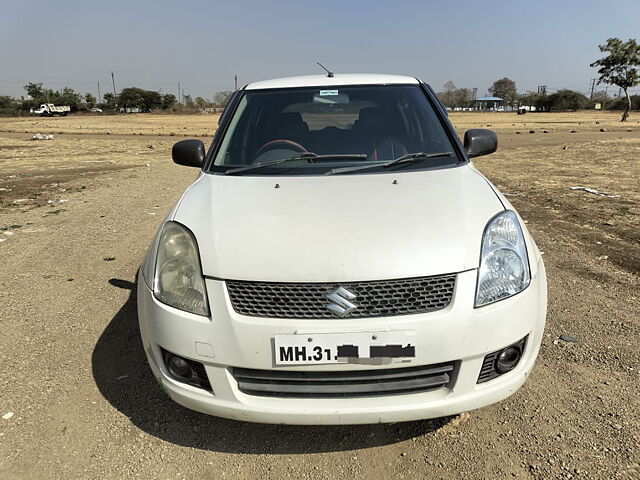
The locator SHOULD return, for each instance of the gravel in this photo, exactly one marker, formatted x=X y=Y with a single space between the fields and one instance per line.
x=79 y=400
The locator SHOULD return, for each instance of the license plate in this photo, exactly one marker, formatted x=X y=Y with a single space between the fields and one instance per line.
x=321 y=348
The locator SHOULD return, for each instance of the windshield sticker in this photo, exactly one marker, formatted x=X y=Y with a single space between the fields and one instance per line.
x=325 y=93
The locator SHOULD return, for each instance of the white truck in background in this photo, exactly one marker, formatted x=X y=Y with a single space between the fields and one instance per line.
x=49 y=110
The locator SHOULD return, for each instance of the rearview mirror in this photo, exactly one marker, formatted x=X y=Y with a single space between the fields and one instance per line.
x=189 y=153
x=479 y=141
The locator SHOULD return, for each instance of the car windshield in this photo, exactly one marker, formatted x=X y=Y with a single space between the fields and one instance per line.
x=309 y=131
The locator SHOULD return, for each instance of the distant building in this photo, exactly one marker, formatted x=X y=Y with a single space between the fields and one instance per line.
x=212 y=110
x=490 y=103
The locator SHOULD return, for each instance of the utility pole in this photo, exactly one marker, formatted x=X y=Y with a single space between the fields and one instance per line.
x=236 y=81
x=99 y=97
x=179 y=93
x=593 y=85
x=115 y=95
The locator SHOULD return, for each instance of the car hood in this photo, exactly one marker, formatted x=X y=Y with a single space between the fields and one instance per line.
x=339 y=228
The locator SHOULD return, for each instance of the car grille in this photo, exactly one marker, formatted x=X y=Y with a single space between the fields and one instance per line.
x=373 y=299
x=341 y=384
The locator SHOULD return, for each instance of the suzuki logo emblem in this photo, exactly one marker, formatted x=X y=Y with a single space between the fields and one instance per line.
x=340 y=302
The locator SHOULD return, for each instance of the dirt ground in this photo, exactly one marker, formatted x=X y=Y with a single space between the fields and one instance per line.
x=77 y=399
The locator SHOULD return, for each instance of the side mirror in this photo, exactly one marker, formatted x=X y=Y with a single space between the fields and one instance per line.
x=478 y=142
x=189 y=153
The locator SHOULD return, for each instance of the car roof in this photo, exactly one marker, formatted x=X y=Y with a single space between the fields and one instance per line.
x=339 y=79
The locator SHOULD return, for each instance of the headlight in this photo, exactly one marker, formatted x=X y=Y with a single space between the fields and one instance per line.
x=504 y=265
x=178 y=279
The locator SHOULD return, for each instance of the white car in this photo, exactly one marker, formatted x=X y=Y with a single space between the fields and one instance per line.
x=339 y=260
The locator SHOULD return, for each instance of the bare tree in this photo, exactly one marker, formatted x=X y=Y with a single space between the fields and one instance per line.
x=453 y=96
x=220 y=99
x=448 y=95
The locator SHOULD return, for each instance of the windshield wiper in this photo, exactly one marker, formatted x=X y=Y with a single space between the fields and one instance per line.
x=255 y=166
x=299 y=156
x=408 y=158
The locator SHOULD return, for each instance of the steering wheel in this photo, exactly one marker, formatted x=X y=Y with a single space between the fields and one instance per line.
x=281 y=144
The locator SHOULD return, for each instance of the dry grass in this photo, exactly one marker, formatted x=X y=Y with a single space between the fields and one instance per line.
x=541 y=155
x=590 y=120
x=132 y=124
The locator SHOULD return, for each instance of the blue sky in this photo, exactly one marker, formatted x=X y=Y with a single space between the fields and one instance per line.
x=202 y=44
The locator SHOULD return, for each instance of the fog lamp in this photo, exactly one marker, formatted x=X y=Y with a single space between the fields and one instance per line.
x=179 y=367
x=508 y=359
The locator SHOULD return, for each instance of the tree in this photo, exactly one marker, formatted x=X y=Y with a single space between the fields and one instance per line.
x=600 y=97
x=68 y=96
x=621 y=103
x=38 y=95
x=505 y=88
x=448 y=95
x=464 y=97
x=7 y=104
x=564 y=100
x=201 y=103
x=620 y=67
x=150 y=100
x=168 y=101
x=530 y=99
x=453 y=96
x=560 y=101
x=189 y=104
x=35 y=90
x=130 y=97
x=109 y=100
x=450 y=86
x=220 y=99
x=144 y=100
x=90 y=100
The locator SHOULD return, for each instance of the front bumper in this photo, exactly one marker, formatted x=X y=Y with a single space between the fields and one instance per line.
x=457 y=333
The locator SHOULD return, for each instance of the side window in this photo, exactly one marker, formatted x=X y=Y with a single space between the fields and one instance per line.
x=228 y=106
x=244 y=144
x=230 y=142
x=436 y=98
